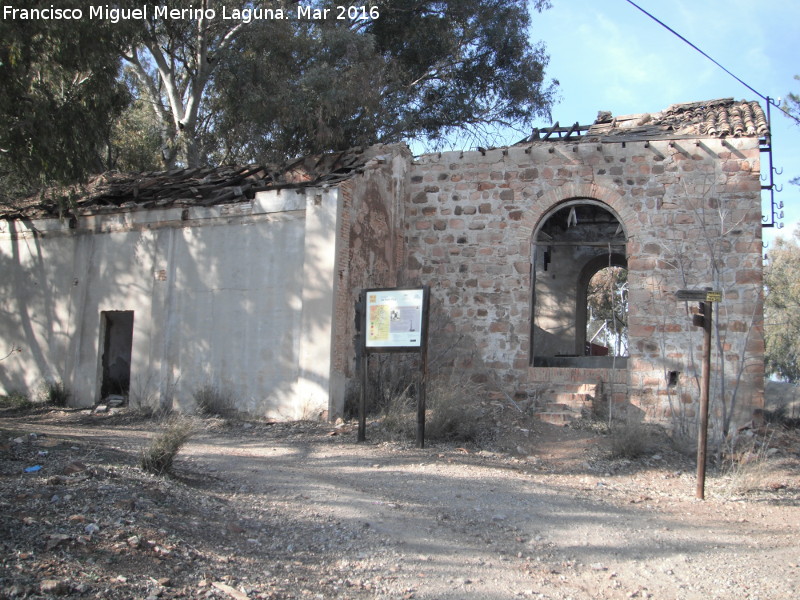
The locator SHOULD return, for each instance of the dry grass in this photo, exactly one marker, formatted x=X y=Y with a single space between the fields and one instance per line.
x=16 y=401
x=782 y=416
x=745 y=466
x=55 y=393
x=213 y=401
x=628 y=439
x=453 y=412
x=399 y=416
x=157 y=458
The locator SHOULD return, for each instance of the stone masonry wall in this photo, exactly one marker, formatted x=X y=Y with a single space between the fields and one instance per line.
x=691 y=211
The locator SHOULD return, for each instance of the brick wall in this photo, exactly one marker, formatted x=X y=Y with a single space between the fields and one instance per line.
x=369 y=249
x=691 y=211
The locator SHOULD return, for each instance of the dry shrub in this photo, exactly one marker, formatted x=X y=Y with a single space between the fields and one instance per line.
x=392 y=378
x=745 y=466
x=391 y=394
x=55 y=393
x=684 y=442
x=155 y=413
x=454 y=412
x=157 y=458
x=628 y=439
x=781 y=416
x=17 y=401
x=213 y=401
x=399 y=416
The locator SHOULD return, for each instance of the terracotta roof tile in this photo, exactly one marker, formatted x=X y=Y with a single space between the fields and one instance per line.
x=717 y=118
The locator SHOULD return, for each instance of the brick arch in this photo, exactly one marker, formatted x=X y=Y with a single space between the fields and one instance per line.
x=545 y=204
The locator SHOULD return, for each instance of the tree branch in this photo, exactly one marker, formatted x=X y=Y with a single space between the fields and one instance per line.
x=168 y=147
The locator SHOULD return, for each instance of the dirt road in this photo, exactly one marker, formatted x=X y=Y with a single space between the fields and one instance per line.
x=301 y=511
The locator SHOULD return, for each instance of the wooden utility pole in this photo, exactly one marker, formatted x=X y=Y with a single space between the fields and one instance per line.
x=703 y=319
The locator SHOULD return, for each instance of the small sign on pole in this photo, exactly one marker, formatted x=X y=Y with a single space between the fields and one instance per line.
x=707 y=295
x=394 y=320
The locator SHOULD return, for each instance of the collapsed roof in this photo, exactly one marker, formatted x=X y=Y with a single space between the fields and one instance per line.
x=207 y=186
x=201 y=186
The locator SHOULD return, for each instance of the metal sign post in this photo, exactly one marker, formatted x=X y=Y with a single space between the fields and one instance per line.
x=394 y=320
x=703 y=319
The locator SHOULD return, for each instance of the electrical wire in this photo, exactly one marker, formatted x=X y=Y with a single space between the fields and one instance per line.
x=766 y=99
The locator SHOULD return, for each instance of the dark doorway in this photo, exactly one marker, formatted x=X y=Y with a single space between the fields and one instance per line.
x=117 y=339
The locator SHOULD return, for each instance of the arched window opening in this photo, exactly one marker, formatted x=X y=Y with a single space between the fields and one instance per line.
x=577 y=240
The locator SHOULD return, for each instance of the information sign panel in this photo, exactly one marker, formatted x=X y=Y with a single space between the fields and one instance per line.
x=394 y=318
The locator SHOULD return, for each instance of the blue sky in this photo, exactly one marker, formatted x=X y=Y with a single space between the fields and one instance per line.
x=608 y=55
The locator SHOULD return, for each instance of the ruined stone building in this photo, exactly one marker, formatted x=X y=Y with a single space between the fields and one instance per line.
x=157 y=285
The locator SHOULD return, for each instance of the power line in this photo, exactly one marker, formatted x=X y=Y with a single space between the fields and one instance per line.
x=766 y=99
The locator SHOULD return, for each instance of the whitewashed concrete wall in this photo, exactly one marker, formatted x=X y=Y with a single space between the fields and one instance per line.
x=238 y=297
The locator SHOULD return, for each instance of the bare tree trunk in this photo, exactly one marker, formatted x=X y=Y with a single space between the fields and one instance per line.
x=174 y=84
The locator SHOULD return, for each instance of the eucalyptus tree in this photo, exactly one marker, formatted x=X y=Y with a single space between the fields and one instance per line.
x=210 y=81
x=59 y=93
x=289 y=83
x=410 y=69
x=782 y=309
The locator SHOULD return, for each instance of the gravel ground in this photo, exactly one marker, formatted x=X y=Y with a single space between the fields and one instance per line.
x=299 y=510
